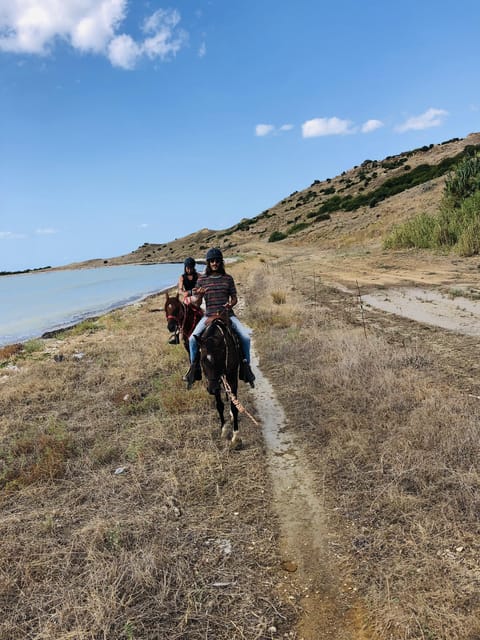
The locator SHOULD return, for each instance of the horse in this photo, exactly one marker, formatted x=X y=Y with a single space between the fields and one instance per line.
x=220 y=361
x=181 y=318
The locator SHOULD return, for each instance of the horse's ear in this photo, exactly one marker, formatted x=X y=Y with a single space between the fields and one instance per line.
x=177 y=296
x=166 y=295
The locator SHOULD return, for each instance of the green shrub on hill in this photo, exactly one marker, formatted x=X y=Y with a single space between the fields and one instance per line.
x=417 y=232
x=419 y=175
x=457 y=224
x=295 y=228
x=275 y=236
x=465 y=180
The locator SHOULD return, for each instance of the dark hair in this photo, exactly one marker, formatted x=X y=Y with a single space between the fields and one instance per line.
x=221 y=269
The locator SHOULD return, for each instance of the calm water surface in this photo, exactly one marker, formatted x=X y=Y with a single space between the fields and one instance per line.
x=33 y=303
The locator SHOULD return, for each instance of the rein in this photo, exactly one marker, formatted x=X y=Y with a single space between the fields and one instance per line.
x=234 y=400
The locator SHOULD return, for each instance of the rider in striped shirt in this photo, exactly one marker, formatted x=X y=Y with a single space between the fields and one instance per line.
x=219 y=292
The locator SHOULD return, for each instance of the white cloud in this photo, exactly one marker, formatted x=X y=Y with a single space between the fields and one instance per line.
x=164 y=40
x=264 y=129
x=143 y=225
x=47 y=231
x=10 y=235
x=270 y=129
x=34 y=26
x=371 y=125
x=325 y=127
x=124 y=52
x=202 y=51
x=431 y=118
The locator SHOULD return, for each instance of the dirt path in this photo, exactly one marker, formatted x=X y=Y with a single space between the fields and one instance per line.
x=313 y=576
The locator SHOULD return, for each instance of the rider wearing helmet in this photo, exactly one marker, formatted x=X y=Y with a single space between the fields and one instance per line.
x=188 y=281
x=219 y=291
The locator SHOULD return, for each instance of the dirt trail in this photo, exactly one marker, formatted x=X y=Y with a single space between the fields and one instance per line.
x=329 y=610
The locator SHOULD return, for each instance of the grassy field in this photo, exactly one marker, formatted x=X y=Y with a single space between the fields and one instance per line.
x=124 y=515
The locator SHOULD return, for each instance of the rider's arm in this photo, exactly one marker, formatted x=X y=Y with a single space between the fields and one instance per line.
x=180 y=285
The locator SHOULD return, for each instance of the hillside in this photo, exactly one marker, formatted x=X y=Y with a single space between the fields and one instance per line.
x=357 y=207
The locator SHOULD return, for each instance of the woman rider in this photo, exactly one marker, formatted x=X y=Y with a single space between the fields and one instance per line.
x=188 y=281
x=219 y=291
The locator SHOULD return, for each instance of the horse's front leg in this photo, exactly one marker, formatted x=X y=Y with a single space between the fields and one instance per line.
x=220 y=407
x=236 y=442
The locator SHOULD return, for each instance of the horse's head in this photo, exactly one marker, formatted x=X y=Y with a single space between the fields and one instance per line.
x=173 y=312
x=213 y=355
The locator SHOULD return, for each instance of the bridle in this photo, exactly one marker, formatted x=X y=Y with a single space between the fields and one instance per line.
x=180 y=317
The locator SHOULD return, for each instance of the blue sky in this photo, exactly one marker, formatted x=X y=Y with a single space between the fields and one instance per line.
x=128 y=122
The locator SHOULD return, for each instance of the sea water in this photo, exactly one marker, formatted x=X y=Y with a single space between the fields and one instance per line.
x=33 y=303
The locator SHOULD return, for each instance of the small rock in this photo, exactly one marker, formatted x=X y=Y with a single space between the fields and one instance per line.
x=119 y=470
x=289 y=565
x=225 y=547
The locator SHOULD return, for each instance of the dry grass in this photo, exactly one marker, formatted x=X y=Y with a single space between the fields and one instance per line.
x=397 y=456
x=180 y=544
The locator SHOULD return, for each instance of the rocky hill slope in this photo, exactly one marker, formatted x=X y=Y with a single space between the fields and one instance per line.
x=358 y=207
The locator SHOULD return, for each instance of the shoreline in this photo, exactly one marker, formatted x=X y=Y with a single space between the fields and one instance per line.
x=73 y=318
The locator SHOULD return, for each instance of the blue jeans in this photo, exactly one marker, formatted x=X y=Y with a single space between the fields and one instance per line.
x=241 y=331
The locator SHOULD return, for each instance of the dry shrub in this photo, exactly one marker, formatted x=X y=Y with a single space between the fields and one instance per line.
x=399 y=459
x=10 y=350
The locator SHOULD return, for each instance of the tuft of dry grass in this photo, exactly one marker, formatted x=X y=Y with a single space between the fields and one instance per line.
x=279 y=297
x=397 y=456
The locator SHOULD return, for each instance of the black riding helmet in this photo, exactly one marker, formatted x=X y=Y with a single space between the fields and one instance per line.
x=214 y=254
x=189 y=262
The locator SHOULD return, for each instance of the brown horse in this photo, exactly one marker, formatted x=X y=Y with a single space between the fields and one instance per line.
x=181 y=318
x=220 y=360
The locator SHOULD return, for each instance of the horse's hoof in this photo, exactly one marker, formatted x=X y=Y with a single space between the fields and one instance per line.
x=235 y=443
x=226 y=433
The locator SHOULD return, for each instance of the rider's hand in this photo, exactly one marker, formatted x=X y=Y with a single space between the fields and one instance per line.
x=228 y=306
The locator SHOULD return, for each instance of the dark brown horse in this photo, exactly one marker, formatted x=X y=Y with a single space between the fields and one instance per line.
x=181 y=318
x=220 y=360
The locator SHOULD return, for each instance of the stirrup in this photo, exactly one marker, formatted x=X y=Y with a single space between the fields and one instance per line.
x=190 y=377
x=248 y=374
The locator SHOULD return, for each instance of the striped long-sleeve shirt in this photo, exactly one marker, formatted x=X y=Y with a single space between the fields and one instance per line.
x=219 y=290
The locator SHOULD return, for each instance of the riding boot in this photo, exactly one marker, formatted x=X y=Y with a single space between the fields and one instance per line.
x=248 y=374
x=194 y=373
